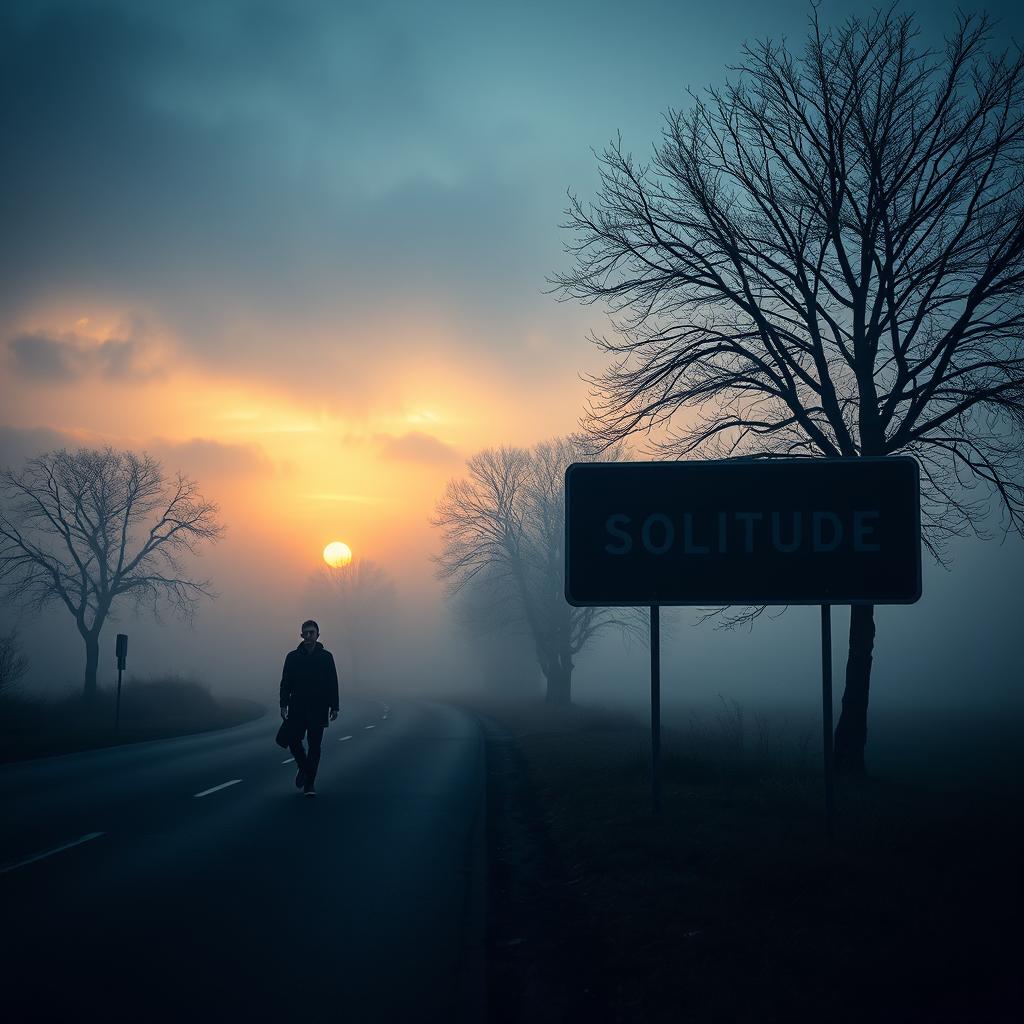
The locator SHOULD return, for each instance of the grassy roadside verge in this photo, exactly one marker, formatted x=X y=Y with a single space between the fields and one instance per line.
x=150 y=709
x=730 y=906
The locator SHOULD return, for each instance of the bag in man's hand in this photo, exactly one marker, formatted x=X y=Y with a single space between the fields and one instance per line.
x=283 y=737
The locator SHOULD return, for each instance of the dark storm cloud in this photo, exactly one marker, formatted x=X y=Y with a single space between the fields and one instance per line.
x=41 y=357
x=295 y=160
x=416 y=446
x=240 y=170
x=106 y=188
x=265 y=151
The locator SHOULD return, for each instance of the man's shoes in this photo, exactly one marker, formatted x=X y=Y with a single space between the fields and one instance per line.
x=308 y=789
x=300 y=779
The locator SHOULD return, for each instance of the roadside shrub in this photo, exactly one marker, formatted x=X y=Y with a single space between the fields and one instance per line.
x=152 y=708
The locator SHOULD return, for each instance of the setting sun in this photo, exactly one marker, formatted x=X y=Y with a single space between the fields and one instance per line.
x=337 y=554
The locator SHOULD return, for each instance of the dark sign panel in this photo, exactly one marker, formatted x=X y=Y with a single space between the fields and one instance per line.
x=780 y=531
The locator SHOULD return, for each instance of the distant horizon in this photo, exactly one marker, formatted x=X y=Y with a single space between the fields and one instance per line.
x=302 y=254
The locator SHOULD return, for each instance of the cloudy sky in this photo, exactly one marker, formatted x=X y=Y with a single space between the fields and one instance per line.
x=299 y=250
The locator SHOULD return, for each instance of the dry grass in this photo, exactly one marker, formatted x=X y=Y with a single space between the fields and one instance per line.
x=731 y=906
x=150 y=709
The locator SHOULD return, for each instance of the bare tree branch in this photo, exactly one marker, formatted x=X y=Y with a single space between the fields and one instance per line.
x=824 y=257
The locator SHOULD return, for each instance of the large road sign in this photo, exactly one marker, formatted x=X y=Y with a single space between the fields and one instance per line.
x=779 y=531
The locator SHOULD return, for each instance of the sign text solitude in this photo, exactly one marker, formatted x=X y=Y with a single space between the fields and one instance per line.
x=784 y=531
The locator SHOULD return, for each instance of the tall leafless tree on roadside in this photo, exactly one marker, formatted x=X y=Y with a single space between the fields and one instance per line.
x=502 y=534
x=825 y=258
x=92 y=527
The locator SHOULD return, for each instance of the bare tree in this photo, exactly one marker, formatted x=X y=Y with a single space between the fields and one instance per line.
x=360 y=599
x=91 y=527
x=825 y=258
x=13 y=663
x=502 y=533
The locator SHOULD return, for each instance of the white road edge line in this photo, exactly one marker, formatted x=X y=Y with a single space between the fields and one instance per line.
x=341 y=739
x=223 y=785
x=49 y=853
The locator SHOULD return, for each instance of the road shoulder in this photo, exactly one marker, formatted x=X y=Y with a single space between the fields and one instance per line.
x=544 y=962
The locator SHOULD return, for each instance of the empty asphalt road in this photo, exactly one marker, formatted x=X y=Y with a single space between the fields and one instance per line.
x=188 y=879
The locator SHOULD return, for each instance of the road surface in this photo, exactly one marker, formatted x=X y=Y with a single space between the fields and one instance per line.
x=188 y=879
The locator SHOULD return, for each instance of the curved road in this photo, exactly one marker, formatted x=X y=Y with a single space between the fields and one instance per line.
x=145 y=883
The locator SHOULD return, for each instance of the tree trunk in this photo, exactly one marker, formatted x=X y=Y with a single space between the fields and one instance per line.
x=92 y=661
x=852 y=730
x=559 y=685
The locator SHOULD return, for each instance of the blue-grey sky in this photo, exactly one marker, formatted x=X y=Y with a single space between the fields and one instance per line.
x=222 y=162
x=260 y=237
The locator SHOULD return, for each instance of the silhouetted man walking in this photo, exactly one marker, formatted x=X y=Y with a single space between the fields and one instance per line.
x=309 y=700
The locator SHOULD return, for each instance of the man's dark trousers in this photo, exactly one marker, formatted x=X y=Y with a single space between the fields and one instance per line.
x=307 y=761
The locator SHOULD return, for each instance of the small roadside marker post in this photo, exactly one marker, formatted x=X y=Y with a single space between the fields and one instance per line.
x=122 y=658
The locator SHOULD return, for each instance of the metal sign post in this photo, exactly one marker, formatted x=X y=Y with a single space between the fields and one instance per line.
x=826 y=711
x=122 y=658
x=743 y=532
x=655 y=708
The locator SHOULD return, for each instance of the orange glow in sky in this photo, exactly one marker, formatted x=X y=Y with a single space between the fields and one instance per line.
x=291 y=464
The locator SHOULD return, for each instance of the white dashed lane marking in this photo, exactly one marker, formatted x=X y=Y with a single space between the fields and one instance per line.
x=369 y=727
x=223 y=785
x=289 y=761
x=49 y=853
x=341 y=739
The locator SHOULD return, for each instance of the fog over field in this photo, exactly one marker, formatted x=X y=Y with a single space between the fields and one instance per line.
x=448 y=325
x=304 y=258
x=957 y=649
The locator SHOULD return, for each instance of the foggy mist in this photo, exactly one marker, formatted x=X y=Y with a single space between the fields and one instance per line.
x=957 y=649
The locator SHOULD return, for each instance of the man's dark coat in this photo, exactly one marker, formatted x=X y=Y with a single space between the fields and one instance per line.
x=309 y=685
